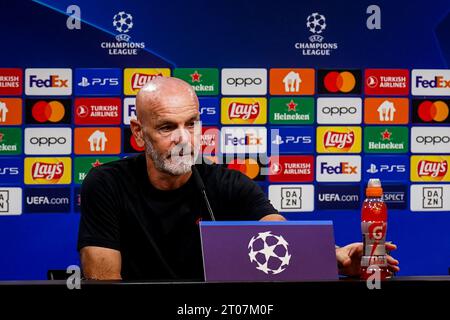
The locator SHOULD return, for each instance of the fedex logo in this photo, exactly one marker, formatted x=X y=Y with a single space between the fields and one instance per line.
x=244 y=140
x=431 y=82
x=54 y=81
x=338 y=168
x=342 y=168
x=247 y=140
x=129 y=110
x=437 y=82
x=48 y=82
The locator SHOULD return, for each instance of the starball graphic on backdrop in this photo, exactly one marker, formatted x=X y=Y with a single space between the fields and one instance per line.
x=311 y=138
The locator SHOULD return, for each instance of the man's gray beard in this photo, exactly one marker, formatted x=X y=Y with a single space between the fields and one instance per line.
x=175 y=165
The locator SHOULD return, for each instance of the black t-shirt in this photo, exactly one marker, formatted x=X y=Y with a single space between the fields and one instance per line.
x=157 y=231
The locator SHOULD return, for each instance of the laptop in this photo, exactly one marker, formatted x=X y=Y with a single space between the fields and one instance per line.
x=268 y=251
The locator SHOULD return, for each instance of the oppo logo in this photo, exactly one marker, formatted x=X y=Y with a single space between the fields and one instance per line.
x=432 y=139
x=47 y=141
x=339 y=110
x=244 y=81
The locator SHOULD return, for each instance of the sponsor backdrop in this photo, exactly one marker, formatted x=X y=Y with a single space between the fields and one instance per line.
x=343 y=91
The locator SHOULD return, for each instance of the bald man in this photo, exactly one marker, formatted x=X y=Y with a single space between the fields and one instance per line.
x=139 y=215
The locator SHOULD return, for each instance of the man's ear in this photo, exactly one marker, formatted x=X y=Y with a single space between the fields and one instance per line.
x=138 y=133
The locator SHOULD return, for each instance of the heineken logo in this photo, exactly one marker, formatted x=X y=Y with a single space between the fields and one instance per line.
x=386 y=139
x=292 y=110
x=10 y=141
x=205 y=81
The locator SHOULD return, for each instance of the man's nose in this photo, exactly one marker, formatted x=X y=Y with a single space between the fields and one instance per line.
x=181 y=135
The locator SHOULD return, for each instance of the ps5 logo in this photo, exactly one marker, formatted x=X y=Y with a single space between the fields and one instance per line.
x=291 y=139
x=386 y=168
x=207 y=111
x=98 y=82
x=9 y=171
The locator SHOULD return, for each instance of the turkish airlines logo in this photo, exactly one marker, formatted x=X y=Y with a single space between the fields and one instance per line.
x=387 y=81
x=97 y=111
x=339 y=140
x=11 y=81
x=291 y=169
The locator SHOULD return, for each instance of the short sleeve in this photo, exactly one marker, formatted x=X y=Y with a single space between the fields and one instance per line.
x=99 y=224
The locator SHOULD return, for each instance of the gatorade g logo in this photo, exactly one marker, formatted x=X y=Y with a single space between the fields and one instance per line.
x=436 y=111
x=44 y=111
x=377 y=230
x=434 y=169
x=339 y=140
x=339 y=81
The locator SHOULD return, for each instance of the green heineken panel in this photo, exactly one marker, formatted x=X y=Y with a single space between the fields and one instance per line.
x=291 y=111
x=205 y=81
x=386 y=139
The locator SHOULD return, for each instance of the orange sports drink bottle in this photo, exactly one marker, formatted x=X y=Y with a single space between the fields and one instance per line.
x=373 y=227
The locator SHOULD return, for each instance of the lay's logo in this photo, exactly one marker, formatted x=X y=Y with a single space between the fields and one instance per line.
x=339 y=139
x=430 y=168
x=136 y=78
x=244 y=111
x=47 y=170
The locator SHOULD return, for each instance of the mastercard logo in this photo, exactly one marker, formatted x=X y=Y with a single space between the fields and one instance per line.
x=429 y=111
x=336 y=81
x=43 y=111
x=249 y=167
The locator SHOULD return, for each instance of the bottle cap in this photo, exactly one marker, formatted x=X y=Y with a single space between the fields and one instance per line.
x=374 y=188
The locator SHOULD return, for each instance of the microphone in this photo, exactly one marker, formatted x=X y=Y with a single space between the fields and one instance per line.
x=201 y=186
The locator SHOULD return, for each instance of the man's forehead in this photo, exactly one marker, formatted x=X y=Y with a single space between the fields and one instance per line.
x=179 y=113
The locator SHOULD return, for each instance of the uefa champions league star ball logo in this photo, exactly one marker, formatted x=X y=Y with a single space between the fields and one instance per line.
x=316 y=23
x=269 y=252
x=123 y=22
